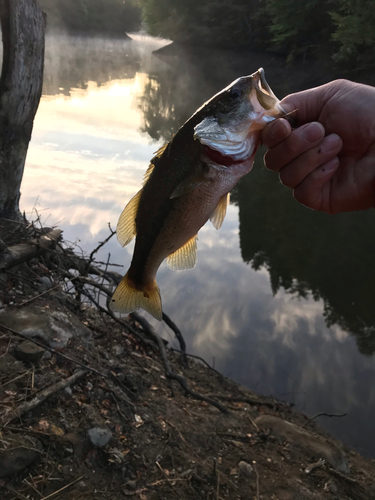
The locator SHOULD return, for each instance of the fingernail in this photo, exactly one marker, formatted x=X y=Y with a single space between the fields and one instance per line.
x=279 y=130
x=330 y=142
x=312 y=132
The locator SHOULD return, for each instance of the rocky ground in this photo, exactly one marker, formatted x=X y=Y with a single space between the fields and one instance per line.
x=94 y=408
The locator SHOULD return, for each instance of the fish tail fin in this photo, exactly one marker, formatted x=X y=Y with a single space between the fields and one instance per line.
x=127 y=298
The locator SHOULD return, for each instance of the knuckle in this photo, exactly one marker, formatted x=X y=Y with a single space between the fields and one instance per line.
x=286 y=178
x=269 y=161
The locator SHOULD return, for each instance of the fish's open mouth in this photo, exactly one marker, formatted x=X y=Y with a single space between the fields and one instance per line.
x=225 y=160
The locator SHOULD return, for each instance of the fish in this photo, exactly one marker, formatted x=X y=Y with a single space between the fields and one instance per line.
x=187 y=183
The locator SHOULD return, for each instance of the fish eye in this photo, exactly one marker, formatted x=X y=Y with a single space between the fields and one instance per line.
x=235 y=92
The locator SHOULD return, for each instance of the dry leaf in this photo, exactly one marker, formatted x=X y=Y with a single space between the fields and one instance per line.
x=57 y=430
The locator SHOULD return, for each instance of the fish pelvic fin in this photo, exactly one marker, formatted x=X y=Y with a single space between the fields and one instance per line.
x=126 y=227
x=185 y=257
x=218 y=215
x=127 y=298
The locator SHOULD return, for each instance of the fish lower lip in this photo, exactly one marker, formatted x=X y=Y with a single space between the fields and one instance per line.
x=220 y=159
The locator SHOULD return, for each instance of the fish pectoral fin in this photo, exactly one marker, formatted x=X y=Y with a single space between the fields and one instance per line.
x=218 y=215
x=127 y=298
x=126 y=227
x=188 y=184
x=185 y=257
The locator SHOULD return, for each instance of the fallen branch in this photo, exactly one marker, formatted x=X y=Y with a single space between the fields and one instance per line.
x=179 y=336
x=323 y=414
x=168 y=371
x=26 y=251
x=40 y=398
x=251 y=401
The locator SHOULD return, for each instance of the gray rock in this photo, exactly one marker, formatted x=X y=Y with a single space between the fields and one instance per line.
x=44 y=283
x=21 y=454
x=55 y=328
x=245 y=469
x=118 y=350
x=28 y=352
x=132 y=485
x=99 y=436
x=313 y=445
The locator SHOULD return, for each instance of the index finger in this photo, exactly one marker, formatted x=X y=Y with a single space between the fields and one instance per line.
x=275 y=132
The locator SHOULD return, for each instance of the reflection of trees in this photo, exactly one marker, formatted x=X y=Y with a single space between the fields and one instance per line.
x=71 y=62
x=171 y=96
x=305 y=252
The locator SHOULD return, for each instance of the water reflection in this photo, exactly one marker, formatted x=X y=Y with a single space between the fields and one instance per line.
x=277 y=298
x=311 y=253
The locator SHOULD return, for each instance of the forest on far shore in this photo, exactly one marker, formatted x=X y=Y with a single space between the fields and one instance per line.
x=105 y=17
x=342 y=30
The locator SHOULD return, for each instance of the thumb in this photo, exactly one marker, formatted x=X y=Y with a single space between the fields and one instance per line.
x=306 y=106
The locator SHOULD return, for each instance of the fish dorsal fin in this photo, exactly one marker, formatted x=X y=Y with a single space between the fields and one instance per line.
x=185 y=257
x=160 y=151
x=126 y=227
x=148 y=173
x=218 y=215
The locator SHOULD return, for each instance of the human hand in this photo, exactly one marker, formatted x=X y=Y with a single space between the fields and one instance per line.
x=329 y=160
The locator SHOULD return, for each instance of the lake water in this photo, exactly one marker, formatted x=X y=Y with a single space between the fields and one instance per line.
x=282 y=298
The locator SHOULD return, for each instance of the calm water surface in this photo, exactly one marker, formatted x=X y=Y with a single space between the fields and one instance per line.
x=282 y=298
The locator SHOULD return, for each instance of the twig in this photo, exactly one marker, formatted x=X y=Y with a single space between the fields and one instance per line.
x=42 y=396
x=14 y=379
x=62 y=489
x=343 y=476
x=257 y=476
x=217 y=479
x=58 y=353
x=41 y=294
x=168 y=371
x=253 y=422
x=169 y=481
x=101 y=244
x=179 y=336
x=194 y=356
x=323 y=414
x=249 y=400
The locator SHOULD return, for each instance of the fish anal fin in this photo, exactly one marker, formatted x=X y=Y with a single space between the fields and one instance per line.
x=185 y=257
x=127 y=298
x=126 y=227
x=218 y=215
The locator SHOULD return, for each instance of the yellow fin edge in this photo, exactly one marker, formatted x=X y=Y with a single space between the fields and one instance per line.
x=127 y=299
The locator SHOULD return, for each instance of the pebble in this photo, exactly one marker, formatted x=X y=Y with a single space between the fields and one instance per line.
x=29 y=352
x=118 y=350
x=245 y=469
x=100 y=436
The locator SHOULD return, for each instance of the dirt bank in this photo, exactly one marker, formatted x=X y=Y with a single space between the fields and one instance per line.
x=93 y=411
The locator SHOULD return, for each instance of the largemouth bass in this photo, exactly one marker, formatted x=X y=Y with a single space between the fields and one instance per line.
x=187 y=183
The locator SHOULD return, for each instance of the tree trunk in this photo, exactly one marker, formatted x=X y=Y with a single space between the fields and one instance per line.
x=23 y=28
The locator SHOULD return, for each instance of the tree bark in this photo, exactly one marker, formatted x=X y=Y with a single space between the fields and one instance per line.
x=23 y=29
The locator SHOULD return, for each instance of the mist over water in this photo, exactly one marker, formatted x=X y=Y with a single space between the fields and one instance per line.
x=282 y=297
